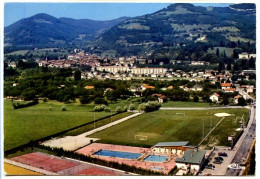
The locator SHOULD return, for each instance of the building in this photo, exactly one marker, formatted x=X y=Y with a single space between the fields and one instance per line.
x=243 y=55
x=89 y=87
x=197 y=88
x=248 y=88
x=145 y=86
x=214 y=97
x=191 y=160
x=161 y=97
x=225 y=86
x=113 y=69
x=172 y=147
x=236 y=98
x=148 y=71
x=230 y=90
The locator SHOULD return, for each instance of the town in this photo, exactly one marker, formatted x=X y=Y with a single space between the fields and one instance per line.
x=170 y=93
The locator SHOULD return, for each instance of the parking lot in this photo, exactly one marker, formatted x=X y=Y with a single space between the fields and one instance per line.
x=219 y=169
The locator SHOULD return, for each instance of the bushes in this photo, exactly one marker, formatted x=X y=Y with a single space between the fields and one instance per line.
x=120 y=110
x=63 y=108
x=100 y=108
x=132 y=107
x=18 y=106
x=150 y=106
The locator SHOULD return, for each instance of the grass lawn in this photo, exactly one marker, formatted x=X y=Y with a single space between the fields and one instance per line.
x=35 y=122
x=184 y=104
x=160 y=126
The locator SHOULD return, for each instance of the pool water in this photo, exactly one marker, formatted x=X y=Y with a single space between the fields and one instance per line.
x=156 y=158
x=110 y=153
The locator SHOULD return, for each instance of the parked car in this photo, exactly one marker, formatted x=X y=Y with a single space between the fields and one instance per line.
x=210 y=166
x=223 y=154
x=217 y=162
x=219 y=158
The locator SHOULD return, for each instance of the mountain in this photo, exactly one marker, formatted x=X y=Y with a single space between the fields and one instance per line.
x=180 y=24
x=43 y=30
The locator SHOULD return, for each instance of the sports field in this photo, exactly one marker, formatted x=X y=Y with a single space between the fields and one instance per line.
x=160 y=126
x=35 y=122
x=14 y=170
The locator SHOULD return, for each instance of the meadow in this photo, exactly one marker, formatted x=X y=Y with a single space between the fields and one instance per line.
x=163 y=126
x=35 y=122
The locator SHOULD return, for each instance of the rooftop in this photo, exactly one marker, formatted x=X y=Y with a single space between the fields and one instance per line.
x=167 y=144
x=192 y=157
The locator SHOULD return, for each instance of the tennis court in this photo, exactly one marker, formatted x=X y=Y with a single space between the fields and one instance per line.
x=45 y=162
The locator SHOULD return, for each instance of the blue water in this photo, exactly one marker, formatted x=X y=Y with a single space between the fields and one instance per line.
x=156 y=158
x=118 y=154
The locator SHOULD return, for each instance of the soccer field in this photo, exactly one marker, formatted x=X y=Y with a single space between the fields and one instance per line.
x=160 y=126
x=35 y=122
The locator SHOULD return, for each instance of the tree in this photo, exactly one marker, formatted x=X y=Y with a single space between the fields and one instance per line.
x=251 y=63
x=217 y=52
x=196 y=99
x=99 y=100
x=229 y=66
x=225 y=101
x=77 y=75
x=241 y=101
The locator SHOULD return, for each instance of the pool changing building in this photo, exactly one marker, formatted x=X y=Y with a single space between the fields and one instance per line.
x=172 y=147
x=192 y=159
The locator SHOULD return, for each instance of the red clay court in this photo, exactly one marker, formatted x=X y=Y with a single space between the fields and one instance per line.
x=64 y=166
x=96 y=171
x=45 y=161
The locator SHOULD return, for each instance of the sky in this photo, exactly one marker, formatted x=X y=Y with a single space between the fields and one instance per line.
x=95 y=11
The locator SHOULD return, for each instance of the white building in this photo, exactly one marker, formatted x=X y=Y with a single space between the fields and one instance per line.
x=214 y=97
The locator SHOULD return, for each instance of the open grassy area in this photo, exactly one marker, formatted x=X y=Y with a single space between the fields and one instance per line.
x=89 y=127
x=19 y=52
x=229 y=51
x=184 y=104
x=35 y=122
x=160 y=126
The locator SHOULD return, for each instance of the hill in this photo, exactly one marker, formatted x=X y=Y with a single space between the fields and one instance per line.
x=45 y=30
x=180 y=25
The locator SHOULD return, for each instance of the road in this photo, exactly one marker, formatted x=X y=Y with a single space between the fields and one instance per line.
x=243 y=147
x=202 y=108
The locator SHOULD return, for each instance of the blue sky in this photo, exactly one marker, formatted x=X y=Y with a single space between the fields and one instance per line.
x=95 y=11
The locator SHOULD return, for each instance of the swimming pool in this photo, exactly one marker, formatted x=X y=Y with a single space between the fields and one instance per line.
x=156 y=158
x=110 y=153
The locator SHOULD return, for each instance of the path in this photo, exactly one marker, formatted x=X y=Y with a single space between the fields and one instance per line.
x=72 y=143
x=210 y=131
x=109 y=125
x=203 y=108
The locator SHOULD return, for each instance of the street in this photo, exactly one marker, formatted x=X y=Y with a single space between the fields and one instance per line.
x=239 y=153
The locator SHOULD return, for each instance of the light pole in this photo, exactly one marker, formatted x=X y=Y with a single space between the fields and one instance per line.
x=94 y=119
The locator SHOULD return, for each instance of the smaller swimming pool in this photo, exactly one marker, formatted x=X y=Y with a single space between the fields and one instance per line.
x=110 y=153
x=156 y=158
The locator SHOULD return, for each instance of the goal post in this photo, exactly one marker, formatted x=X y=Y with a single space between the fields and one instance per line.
x=141 y=137
x=180 y=114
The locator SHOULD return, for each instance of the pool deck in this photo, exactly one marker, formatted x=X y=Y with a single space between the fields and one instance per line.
x=166 y=167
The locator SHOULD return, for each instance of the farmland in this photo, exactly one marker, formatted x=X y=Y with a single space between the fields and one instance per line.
x=162 y=126
x=35 y=122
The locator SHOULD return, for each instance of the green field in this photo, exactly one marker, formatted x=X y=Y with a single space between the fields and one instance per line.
x=160 y=126
x=35 y=122
x=19 y=52
x=229 y=51
x=184 y=104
